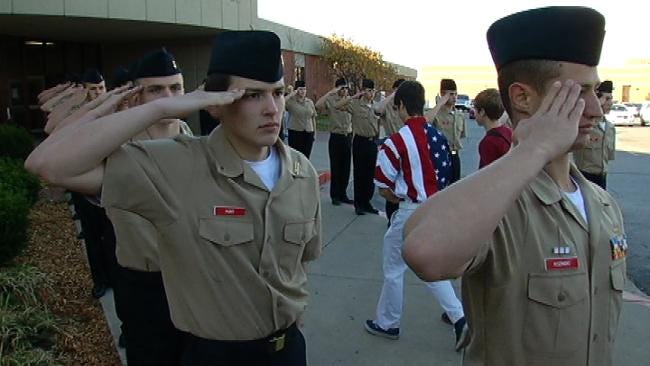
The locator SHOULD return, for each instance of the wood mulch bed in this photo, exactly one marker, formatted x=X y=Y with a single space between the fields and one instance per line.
x=53 y=248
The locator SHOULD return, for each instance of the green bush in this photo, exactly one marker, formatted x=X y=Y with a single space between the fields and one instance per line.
x=27 y=328
x=14 y=208
x=14 y=178
x=15 y=142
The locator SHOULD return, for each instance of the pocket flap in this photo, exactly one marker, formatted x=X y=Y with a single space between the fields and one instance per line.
x=299 y=232
x=226 y=232
x=617 y=272
x=558 y=291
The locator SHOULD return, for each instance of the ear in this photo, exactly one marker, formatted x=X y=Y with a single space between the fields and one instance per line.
x=522 y=98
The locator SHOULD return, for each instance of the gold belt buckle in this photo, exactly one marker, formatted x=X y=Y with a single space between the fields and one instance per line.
x=278 y=342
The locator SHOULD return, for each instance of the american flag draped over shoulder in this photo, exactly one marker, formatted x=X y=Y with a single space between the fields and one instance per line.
x=414 y=162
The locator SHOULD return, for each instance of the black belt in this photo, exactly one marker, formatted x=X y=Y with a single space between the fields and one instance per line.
x=276 y=342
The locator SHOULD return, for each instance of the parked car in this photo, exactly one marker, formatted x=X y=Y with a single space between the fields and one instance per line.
x=463 y=102
x=621 y=115
x=644 y=114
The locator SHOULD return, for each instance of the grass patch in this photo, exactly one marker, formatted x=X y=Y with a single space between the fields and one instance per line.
x=27 y=329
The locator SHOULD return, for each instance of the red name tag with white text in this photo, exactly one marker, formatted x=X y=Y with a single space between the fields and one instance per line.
x=555 y=264
x=229 y=211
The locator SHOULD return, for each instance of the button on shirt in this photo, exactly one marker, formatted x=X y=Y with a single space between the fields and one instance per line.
x=303 y=114
x=231 y=252
x=340 y=120
x=364 y=119
x=452 y=124
x=599 y=150
x=528 y=305
x=415 y=162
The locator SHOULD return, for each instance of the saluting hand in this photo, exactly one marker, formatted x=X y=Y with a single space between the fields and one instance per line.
x=553 y=129
x=182 y=105
x=113 y=101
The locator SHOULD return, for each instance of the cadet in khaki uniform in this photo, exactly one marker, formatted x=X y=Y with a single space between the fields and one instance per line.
x=340 y=142
x=601 y=147
x=451 y=123
x=390 y=120
x=140 y=298
x=541 y=249
x=364 y=149
x=302 y=114
x=237 y=212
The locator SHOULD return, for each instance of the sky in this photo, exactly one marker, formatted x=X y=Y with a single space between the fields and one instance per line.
x=418 y=33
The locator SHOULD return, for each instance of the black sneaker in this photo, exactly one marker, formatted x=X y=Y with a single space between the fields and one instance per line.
x=461 y=332
x=445 y=319
x=374 y=329
x=98 y=291
x=346 y=201
x=359 y=211
x=371 y=210
x=336 y=202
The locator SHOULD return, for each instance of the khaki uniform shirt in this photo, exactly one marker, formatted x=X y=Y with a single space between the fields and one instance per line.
x=527 y=305
x=364 y=119
x=340 y=121
x=136 y=238
x=600 y=149
x=452 y=124
x=303 y=114
x=231 y=252
x=391 y=121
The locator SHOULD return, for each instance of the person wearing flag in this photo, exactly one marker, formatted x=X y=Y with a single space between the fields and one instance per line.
x=413 y=164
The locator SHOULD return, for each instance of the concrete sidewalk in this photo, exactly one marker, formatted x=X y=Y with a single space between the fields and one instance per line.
x=345 y=284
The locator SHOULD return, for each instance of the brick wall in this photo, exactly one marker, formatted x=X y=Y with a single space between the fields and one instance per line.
x=320 y=78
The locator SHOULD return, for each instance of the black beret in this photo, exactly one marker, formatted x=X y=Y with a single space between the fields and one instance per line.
x=92 y=76
x=299 y=84
x=606 y=87
x=120 y=76
x=367 y=84
x=397 y=83
x=448 y=84
x=155 y=64
x=249 y=54
x=559 y=33
x=341 y=81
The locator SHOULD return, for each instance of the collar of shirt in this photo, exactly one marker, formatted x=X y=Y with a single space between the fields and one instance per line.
x=548 y=192
x=228 y=163
x=417 y=121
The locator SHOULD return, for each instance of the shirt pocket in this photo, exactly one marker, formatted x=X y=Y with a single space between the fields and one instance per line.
x=617 y=277
x=226 y=233
x=557 y=312
x=296 y=235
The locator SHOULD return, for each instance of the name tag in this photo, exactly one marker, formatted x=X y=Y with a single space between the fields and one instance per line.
x=555 y=264
x=229 y=211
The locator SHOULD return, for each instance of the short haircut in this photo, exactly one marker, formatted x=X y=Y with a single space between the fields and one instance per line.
x=489 y=100
x=217 y=82
x=397 y=83
x=411 y=95
x=535 y=73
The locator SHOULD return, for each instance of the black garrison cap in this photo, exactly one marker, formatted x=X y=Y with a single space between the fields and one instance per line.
x=155 y=64
x=606 y=87
x=448 y=84
x=300 y=84
x=249 y=54
x=120 y=76
x=367 y=84
x=340 y=81
x=397 y=83
x=93 y=76
x=559 y=33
